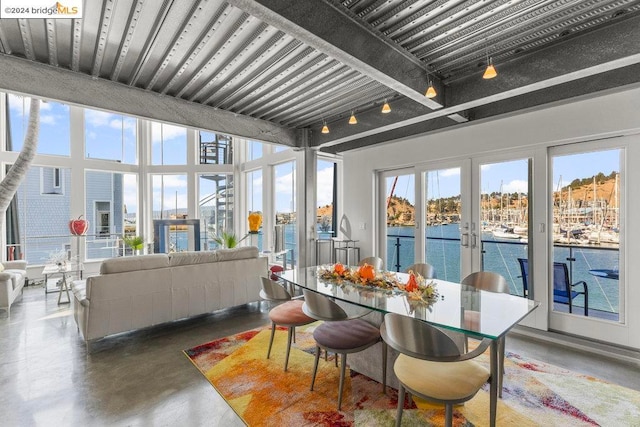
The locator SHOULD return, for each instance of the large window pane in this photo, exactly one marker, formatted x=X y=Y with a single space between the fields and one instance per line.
x=285 y=194
x=586 y=230
x=54 y=135
x=325 y=195
x=215 y=149
x=254 y=199
x=400 y=200
x=254 y=150
x=169 y=144
x=110 y=136
x=110 y=206
x=216 y=206
x=170 y=202
x=38 y=217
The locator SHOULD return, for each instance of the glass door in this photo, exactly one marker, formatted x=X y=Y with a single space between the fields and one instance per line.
x=399 y=211
x=586 y=254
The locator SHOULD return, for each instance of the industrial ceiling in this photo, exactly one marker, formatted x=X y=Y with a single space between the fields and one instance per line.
x=276 y=70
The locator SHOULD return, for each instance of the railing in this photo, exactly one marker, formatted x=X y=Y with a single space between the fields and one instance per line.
x=501 y=256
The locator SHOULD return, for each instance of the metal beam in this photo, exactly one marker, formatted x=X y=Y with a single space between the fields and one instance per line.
x=335 y=33
x=31 y=78
x=577 y=59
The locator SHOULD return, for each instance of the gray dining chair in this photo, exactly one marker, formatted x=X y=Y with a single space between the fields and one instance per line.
x=431 y=365
x=289 y=314
x=424 y=269
x=490 y=282
x=376 y=262
x=342 y=333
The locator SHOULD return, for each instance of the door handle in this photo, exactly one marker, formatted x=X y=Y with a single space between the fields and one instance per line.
x=474 y=240
x=464 y=240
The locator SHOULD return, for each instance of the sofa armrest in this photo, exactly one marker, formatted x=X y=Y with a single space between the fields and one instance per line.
x=15 y=265
x=5 y=276
x=79 y=289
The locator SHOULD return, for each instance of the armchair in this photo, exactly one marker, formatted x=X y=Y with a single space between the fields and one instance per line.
x=13 y=275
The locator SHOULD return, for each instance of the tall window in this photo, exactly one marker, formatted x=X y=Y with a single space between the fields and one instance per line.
x=110 y=136
x=55 y=126
x=170 y=202
x=326 y=198
x=254 y=150
x=254 y=198
x=38 y=217
x=285 y=202
x=111 y=201
x=169 y=144
x=215 y=202
x=215 y=149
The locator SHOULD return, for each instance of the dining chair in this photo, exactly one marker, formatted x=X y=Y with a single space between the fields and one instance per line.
x=289 y=314
x=376 y=262
x=431 y=365
x=491 y=282
x=342 y=333
x=563 y=291
x=424 y=269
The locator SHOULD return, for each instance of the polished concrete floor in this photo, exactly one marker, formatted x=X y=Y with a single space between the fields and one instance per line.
x=143 y=379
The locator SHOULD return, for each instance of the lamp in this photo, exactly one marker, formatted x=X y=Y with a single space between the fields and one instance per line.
x=490 y=72
x=385 y=108
x=431 y=91
x=325 y=128
x=352 y=119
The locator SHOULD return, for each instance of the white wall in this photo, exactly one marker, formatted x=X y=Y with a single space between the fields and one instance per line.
x=589 y=118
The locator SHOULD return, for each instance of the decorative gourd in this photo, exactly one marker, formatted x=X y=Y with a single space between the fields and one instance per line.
x=339 y=269
x=412 y=284
x=366 y=272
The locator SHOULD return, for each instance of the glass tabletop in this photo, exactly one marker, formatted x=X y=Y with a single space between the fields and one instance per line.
x=457 y=307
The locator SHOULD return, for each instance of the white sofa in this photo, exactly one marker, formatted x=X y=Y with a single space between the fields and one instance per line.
x=140 y=291
x=12 y=279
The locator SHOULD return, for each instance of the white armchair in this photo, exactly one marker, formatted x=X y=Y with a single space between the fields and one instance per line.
x=13 y=276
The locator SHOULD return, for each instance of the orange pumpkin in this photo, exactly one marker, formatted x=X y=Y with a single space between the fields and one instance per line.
x=366 y=272
x=412 y=284
x=338 y=268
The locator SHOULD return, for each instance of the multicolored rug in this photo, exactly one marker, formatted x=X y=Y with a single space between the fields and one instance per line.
x=262 y=394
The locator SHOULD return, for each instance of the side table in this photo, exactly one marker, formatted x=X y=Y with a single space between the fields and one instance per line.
x=64 y=271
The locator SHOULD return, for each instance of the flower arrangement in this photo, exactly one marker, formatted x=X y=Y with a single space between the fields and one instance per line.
x=417 y=288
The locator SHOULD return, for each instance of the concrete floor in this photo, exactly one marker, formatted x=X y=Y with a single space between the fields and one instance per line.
x=143 y=379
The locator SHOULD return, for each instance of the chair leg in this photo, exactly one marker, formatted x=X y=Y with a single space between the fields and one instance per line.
x=448 y=414
x=343 y=370
x=384 y=367
x=273 y=332
x=290 y=334
x=400 y=405
x=315 y=367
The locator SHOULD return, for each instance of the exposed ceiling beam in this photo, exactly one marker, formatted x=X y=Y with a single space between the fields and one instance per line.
x=335 y=33
x=610 y=48
x=28 y=77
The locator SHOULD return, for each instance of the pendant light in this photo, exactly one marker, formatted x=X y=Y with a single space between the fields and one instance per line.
x=431 y=91
x=385 y=108
x=352 y=119
x=490 y=72
x=325 y=128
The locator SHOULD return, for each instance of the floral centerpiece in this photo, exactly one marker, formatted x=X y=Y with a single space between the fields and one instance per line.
x=416 y=288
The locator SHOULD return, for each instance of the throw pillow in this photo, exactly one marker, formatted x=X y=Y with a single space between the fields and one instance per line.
x=1 y=267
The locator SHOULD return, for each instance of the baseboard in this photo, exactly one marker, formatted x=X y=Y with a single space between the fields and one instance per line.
x=623 y=354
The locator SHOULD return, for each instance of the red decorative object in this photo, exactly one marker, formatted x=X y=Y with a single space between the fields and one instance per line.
x=339 y=269
x=367 y=272
x=412 y=284
x=78 y=227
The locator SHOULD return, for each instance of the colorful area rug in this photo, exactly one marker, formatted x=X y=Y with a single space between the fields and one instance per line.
x=262 y=394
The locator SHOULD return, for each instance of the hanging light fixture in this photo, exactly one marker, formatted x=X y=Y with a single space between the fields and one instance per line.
x=431 y=91
x=325 y=128
x=352 y=119
x=386 y=108
x=490 y=72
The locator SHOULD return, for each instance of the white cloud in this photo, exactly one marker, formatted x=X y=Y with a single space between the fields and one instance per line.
x=130 y=193
x=325 y=187
x=516 y=186
x=48 y=119
x=450 y=172
x=98 y=118
x=160 y=131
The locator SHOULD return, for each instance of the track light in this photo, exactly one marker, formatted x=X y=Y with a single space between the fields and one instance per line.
x=385 y=108
x=352 y=119
x=490 y=72
x=325 y=128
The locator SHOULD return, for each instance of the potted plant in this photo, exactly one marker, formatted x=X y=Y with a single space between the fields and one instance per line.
x=228 y=239
x=136 y=243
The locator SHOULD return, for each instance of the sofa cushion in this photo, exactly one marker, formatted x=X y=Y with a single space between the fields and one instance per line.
x=189 y=258
x=133 y=263
x=237 y=253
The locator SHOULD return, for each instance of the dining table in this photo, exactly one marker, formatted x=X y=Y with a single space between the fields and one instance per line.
x=460 y=308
